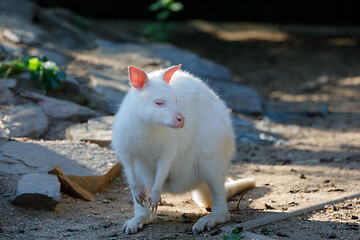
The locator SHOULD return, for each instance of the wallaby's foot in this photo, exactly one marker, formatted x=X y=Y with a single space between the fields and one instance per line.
x=154 y=200
x=134 y=225
x=208 y=222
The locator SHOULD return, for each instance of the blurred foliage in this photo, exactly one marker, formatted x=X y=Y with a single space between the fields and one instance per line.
x=47 y=73
x=160 y=30
x=80 y=22
x=235 y=234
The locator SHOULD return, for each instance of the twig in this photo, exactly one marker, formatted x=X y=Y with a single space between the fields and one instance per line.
x=242 y=195
x=24 y=215
x=298 y=211
x=238 y=203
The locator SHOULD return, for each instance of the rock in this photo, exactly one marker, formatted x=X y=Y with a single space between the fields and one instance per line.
x=120 y=56
x=112 y=85
x=261 y=139
x=10 y=83
x=238 y=97
x=37 y=191
x=57 y=57
x=6 y=96
x=97 y=130
x=9 y=49
x=70 y=84
x=191 y=62
x=88 y=165
x=285 y=112
x=65 y=31
x=23 y=121
x=20 y=7
x=16 y=29
x=112 y=82
x=242 y=123
x=60 y=109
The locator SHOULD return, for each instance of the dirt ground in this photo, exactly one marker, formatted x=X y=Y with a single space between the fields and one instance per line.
x=319 y=160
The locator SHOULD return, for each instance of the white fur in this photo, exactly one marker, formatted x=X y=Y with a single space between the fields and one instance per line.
x=158 y=158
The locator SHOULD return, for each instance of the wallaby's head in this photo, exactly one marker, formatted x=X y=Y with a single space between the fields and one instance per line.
x=156 y=99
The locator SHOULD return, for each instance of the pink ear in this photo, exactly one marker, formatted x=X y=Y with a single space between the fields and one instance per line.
x=138 y=77
x=169 y=73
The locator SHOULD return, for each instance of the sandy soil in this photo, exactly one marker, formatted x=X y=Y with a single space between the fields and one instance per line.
x=320 y=160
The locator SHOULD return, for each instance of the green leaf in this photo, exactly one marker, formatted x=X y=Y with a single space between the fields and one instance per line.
x=19 y=65
x=161 y=16
x=34 y=64
x=234 y=235
x=117 y=179
x=34 y=75
x=271 y=229
x=60 y=76
x=155 y=6
x=176 y=6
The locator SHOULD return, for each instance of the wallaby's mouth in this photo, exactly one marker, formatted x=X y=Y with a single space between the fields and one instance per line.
x=178 y=125
x=179 y=121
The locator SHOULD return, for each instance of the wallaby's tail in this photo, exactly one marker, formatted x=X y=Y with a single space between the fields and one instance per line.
x=202 y=195
x=233 y=188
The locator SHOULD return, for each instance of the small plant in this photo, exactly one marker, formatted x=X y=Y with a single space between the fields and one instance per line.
x=41 y=70
x=46 y=72
x=10 y=67
x=160 y=30
x=235 y=234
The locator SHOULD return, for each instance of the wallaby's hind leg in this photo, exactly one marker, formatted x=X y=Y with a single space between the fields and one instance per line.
x=202 y=196
x=219 y=209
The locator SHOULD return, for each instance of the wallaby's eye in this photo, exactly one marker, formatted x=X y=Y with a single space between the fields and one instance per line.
x=159 y=102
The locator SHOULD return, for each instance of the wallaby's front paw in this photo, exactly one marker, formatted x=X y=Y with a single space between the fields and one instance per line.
x=133 y=225
x=208 y=222
x=154 y=200
x=139 y=196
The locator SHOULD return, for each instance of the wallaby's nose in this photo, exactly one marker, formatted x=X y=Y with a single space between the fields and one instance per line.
x=180 y=120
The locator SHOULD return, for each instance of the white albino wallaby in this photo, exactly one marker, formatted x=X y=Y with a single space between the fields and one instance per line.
x=173 y=134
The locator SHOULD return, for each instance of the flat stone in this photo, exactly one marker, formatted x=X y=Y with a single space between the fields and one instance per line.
x=20 y=7
x=89 y=165
x=112 y=82
x=10 y=83
x=238 y=97
x=112 y=85
x=60 y=109
x=70 y=84
x=38 y=191
x=59 y=58
x=96 y=130
x=191 y=62
x=80 y=159
x=23 y=121
x=16 y=29
x=120 y=56
x=6 y=96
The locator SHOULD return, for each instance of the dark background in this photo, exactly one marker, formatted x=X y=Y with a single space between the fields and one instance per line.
x=325 y=12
